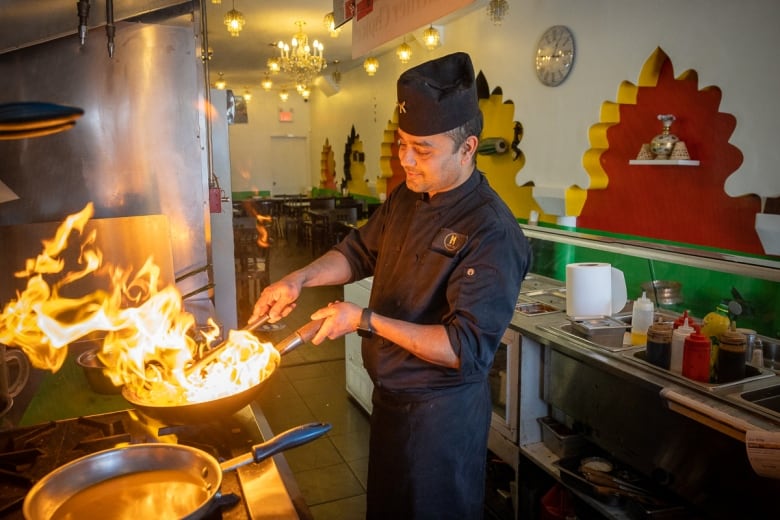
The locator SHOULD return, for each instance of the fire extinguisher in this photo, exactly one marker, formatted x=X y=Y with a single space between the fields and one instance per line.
x=215 y=195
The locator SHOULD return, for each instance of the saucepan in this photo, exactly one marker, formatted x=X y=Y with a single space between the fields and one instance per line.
x=206 y=411
x=160 y=481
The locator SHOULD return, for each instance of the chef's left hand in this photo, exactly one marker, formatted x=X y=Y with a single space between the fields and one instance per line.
x=340 y=318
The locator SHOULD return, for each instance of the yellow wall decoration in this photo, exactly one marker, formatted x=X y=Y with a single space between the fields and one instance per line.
x=501 y=168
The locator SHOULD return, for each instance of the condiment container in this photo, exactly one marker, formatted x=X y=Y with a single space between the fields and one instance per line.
x=659 y=344
x=686 y=318
x=641 y=319
x=731 y=357
x=696 y=357
x=713 y=325
x=751 y=338
x=678 y=343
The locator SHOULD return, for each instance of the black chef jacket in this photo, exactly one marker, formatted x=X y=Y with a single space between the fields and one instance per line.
x=456 y=259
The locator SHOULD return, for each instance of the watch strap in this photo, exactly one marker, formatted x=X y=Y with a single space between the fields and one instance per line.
x=364 y=329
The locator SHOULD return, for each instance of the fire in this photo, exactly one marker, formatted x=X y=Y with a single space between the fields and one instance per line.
x=147 y=338
x=261 y=222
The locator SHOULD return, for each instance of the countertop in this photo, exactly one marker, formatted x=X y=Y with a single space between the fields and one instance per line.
x=722 y=402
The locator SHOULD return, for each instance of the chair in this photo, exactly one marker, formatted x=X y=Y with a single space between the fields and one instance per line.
x=252 y=264
x=314 y=225
x=342 y=220
x=323 y=203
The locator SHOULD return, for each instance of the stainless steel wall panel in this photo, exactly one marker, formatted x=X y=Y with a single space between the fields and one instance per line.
x=138 y=148
x=24 y=23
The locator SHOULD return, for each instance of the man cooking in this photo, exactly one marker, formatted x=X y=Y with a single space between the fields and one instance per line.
x=448 y=258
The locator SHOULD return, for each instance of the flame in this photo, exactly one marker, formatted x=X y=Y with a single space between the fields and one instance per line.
x=147 y=338
x=261 y=221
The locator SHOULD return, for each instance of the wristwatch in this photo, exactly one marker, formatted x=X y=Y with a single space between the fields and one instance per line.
x=364 y=330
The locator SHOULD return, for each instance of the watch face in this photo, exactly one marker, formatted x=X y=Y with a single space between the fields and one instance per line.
x=554 y=55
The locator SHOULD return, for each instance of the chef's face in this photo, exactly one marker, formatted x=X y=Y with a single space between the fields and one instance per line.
x=433 y=163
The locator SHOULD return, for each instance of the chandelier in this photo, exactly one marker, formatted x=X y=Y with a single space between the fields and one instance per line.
x=300 y=59
x=496 y=10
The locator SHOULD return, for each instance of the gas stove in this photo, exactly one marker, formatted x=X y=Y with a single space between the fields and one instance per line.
x=29 y=453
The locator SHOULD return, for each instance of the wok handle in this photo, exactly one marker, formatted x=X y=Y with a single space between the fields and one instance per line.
x=288 y=439
x=299 y=337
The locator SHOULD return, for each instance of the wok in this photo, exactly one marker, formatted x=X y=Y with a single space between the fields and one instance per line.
x=207 y=411
x=160 y=481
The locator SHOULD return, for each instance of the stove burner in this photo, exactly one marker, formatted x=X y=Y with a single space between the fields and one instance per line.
x=29 y=453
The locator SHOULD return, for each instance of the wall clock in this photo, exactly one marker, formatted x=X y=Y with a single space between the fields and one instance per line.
x=554 y=55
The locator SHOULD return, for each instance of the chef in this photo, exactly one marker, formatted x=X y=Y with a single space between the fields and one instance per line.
x=448 y=258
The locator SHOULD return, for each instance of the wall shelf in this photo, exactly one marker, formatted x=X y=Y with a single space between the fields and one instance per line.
x=663 y=162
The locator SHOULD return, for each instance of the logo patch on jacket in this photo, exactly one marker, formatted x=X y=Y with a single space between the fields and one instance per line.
x=448 y=241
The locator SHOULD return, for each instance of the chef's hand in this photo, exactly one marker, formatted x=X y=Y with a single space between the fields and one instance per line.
x=340 y=318
x=277 y=300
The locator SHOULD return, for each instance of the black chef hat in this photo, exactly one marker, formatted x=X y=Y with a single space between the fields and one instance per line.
x=437 y=96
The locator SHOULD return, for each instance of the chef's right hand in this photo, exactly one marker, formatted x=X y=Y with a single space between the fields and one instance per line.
x=277 y=300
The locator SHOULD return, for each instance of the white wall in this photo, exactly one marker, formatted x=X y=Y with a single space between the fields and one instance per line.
x=250 y=143
x=731 y=45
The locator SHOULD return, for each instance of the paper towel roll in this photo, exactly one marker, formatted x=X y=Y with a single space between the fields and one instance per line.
x=594 y=290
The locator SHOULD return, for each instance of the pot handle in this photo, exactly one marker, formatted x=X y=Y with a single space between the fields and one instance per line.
x=289 y=439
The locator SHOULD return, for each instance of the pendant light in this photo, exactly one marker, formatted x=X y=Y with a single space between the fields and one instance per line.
x=234 y=20
x=371 y=65
x=431 y=38
x=267 y=84
x=404 y=52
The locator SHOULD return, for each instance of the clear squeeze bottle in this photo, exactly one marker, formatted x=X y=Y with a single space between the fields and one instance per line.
x=641 y=319
x=678 y=343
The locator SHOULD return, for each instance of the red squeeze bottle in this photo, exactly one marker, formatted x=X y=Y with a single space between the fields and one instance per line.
x=696 y=357
x=681 y=320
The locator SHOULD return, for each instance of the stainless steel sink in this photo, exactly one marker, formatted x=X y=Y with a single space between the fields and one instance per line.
x=531 y=308
x=534 y=282
x=751 y=374
x=768 y=397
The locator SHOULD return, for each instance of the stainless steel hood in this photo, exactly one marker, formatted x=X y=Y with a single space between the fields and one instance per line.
x=25 y=23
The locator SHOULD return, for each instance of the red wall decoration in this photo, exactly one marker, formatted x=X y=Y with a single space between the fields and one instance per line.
x=685 y=204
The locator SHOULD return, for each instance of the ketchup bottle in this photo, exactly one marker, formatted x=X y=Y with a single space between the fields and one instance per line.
x=696 y=357
x=686 y=320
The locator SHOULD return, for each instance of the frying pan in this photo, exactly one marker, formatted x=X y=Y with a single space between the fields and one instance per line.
x=160 y=481
x=207 y=411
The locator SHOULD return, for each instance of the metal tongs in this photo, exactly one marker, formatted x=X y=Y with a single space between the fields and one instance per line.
x=209 y=356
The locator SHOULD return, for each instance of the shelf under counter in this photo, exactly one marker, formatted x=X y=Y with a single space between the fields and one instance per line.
x=541 y=455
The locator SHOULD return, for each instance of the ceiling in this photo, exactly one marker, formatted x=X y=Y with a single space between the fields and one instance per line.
x=242 y=59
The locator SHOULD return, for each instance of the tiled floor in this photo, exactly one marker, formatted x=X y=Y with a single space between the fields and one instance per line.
x=310 y=386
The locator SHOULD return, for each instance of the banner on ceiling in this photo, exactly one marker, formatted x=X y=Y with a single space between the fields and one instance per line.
x=377 y=22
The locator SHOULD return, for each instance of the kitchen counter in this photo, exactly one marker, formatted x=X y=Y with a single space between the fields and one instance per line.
x=646 y=416
x=546 y=329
